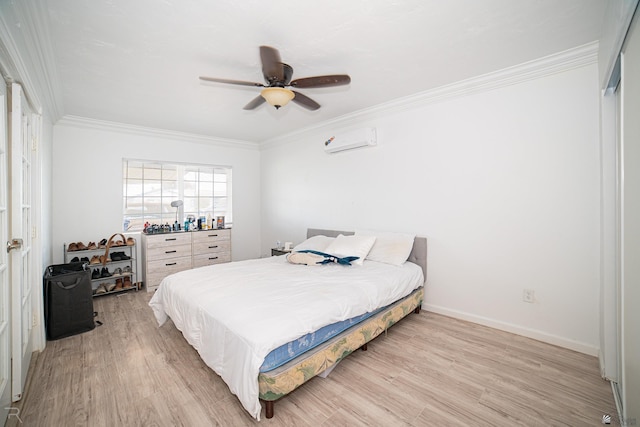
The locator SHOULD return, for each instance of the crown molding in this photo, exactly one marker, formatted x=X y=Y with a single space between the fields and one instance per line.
x=103 y=125
x=13 y=67
x=567 y=60
x=34 y=69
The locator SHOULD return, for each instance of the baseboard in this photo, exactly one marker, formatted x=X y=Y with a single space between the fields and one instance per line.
x=515 y=329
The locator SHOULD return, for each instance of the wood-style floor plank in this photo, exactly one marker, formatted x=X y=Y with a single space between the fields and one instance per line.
x=427 y=370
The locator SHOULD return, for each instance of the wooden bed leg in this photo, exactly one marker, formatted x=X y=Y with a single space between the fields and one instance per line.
x=364 y=347
x=417 y=310
x=268 y=408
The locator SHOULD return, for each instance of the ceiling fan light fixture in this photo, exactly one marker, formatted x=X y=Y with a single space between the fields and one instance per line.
x=277 y=96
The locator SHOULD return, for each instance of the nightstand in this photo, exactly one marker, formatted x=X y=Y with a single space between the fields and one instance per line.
x=278 y=252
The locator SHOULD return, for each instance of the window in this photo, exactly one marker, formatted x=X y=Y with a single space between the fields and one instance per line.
x=150 y=187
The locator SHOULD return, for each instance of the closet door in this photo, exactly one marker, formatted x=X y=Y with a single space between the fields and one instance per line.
x=630 y=230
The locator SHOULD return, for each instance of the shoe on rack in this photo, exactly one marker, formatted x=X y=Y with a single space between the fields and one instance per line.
x=119 y=243
x=120 y=256
x=110 y=286
x=92 y=245
x=95 y=274
x=105 y=272
x=95 y=260
x=81 y=246
x=127 y=269
x=117 y=272
x=101 y=289
x=72 y=247
x=102 y=244
x=131 y=241
x=118 y=284
x=84 y=259
x=103 y=260
x=127 y=282
x=75 y=259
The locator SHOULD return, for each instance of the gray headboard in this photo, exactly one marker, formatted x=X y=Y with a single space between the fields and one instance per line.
x=418 y=253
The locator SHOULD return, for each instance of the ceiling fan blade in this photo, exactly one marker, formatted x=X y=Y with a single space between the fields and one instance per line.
x=287 y=71
x=322 y=81
x=229 y=81
x=255 y=102
x=305 y=101
x=271 y=64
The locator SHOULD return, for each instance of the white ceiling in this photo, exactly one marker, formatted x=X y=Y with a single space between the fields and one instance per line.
x=138 y=62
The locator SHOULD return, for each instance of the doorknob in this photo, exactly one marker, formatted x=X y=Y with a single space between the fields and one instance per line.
x=14 y=244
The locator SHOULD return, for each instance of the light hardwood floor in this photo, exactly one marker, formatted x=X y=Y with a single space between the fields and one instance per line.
x=428 y=370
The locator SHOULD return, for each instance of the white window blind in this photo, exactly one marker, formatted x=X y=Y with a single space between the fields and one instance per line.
x=150 y=187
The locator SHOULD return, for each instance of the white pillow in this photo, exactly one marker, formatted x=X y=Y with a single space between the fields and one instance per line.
x=390 y=248
x=358 y=246
x=316 y=243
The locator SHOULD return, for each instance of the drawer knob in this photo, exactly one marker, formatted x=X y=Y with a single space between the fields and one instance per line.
x=167 y=239
x=213 y=247
x=213 y=235
x=215 y=257
x=170 y=252
x=171 y=263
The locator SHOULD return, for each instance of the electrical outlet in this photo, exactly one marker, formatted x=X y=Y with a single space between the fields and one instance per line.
x=528 y=295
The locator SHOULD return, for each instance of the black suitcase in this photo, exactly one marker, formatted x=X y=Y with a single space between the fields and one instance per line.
x=68 y=300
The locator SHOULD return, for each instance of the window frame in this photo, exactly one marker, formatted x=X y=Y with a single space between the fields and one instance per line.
x=161 y=182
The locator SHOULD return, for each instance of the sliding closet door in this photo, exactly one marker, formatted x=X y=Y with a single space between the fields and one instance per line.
x=630 y=231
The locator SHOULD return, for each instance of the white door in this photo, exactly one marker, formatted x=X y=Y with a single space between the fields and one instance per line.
x=630 y=231
x=20 y=258
x=5 y=328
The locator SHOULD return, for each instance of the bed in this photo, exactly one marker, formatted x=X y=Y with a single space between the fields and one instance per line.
x=238 y=315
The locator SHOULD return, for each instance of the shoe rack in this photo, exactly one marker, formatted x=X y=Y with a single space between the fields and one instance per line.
x=116 y=275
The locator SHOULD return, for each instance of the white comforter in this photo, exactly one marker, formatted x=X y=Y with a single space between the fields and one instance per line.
x=234 y=314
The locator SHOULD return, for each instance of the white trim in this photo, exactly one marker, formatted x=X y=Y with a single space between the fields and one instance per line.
x=580 y=56
x=515 y=329
x=84 y=122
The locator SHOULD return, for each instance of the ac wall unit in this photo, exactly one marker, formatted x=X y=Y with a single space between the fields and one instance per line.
x=352 y=139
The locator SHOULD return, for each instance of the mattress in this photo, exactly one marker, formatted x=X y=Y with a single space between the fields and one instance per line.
x=293 y=349
x=235 y=314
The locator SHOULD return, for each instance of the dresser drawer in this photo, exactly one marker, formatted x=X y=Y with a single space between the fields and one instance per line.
x=170 y=251
x=164 y=240
x=211 y=247
x=159 y=269
x=211 y=235
x=212 y=258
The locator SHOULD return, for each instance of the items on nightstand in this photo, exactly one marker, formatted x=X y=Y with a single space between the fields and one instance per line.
x=279 y=251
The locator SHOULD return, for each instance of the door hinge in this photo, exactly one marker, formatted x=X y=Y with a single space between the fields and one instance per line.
x=34 y=232
x=34 y=144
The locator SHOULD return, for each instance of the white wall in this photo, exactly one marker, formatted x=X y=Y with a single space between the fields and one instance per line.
x=87 y=179
x=504 y=183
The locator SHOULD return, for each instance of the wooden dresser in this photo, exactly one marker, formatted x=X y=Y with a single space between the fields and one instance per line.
x=168 y=253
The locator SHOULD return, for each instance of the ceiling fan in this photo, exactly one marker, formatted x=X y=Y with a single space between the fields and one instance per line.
x=277 y=76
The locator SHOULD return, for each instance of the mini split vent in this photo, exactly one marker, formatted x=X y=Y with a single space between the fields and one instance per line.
x=352 y=139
